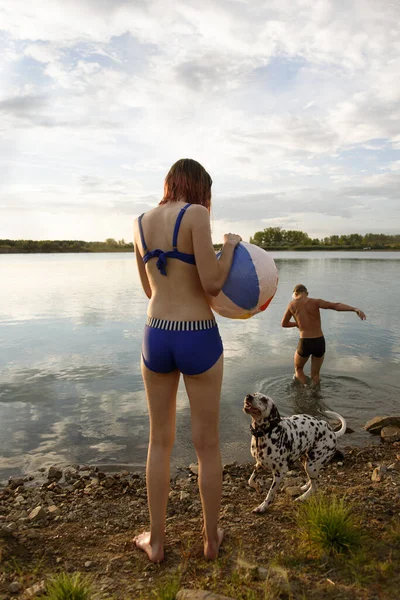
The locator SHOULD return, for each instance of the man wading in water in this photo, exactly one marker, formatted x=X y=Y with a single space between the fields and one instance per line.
x=306 y=315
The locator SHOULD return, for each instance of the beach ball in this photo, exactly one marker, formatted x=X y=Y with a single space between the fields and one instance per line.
x=250 y=286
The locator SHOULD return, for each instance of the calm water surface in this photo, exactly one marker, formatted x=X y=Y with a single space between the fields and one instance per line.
x=70 y=336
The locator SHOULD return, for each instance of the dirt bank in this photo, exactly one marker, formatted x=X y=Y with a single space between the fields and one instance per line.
x=84 y=520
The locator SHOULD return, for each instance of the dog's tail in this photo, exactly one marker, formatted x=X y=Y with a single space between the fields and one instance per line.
x=342 y=430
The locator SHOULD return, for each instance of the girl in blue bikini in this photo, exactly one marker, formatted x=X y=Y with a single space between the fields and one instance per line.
x=178 y=269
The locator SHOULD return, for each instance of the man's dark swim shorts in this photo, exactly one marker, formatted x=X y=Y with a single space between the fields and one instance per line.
x=311 y=346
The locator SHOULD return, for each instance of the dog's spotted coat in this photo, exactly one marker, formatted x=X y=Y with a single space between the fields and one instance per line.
x=278 y=441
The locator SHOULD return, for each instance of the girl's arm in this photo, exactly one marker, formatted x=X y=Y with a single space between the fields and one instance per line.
x=139 y=260
x=212 y=271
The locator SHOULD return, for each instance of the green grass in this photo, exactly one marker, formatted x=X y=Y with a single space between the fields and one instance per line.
x=168 y=588
x=328 y=526
x=393 y=534
x=68 y=587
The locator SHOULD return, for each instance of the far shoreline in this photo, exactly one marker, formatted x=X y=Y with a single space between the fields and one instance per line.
x=217 y=247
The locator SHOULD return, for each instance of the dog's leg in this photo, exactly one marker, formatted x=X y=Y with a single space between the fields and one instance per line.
x=276 y=480
x=305 y=487
x=252 y=483
x=312 y=468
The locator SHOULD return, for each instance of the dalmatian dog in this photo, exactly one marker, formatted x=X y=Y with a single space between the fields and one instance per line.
x=278 y=441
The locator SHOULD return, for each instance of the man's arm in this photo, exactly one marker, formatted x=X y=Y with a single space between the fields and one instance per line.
x=286 y=322
x=340 y=307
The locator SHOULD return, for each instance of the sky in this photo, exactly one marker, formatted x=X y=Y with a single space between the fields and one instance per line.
x=292 y=106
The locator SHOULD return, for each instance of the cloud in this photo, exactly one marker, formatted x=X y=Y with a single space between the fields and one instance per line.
x=279 y=100
x=41 y=52
x=22 y=106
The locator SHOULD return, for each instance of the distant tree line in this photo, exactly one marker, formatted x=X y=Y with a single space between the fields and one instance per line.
x=270 y=238
x=47 y=246
x=278 y=238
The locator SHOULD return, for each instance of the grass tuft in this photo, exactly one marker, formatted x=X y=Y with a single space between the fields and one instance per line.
x=328 y=525
x=68 y=587
x=393 y=534
x=168 y=588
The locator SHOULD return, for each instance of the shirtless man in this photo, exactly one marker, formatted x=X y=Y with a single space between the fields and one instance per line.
x=306 y=315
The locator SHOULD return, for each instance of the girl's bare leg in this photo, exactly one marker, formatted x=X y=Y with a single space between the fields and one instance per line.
x=161 y=391
x=204 y=393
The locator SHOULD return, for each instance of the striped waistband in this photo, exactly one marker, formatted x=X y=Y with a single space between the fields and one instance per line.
x=181 y=325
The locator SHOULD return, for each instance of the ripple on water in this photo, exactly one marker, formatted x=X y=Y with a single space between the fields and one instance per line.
x=353 y=398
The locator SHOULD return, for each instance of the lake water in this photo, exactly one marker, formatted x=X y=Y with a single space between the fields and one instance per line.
x=70 y=336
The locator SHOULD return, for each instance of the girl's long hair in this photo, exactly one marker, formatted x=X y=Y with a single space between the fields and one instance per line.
x=187 y=180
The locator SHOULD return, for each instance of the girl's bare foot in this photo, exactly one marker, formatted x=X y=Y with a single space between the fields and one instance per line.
x=211 y=549
x=155 y=552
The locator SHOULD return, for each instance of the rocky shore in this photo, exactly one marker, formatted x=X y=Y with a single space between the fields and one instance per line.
x=80 y=519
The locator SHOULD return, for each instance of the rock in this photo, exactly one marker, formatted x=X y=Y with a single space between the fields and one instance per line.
x=293 y=490
x=15 y=587
x=184 y=495
x=200 y=595
x=194 y=468
x=53 y=510
x=54 y=473
x=32 y=534
x=108 y=482
x=89 y=564
x=35 y=590
x=5 y=531
x=14 y=483
x=78 y=485
x=37 y=514
x=22 y=514
x=390 y=433
x=395 y=466
x=375 y=425
x=293 y=482
x=54 y=487
x=378 y=474
x=262 y=572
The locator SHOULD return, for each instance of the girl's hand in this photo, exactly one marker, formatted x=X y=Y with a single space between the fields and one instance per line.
x=232 y=238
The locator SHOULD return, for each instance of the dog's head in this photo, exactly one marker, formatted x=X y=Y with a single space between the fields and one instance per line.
x=261 y=408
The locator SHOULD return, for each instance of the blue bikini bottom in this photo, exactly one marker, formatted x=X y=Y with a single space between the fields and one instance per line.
x=191 y=347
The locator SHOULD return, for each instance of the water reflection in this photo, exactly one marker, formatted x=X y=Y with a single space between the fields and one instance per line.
x=71 y=328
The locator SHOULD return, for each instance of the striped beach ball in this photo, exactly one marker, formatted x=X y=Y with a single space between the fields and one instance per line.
x=250 y=286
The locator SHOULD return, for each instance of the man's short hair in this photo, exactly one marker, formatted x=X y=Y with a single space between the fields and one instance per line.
x=300 y=289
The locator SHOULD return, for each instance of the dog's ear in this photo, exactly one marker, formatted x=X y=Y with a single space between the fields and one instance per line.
x=274 y=414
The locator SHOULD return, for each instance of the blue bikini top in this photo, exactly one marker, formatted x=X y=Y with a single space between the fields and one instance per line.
x=160 y=254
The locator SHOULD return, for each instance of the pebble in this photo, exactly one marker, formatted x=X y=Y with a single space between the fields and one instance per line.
x=54 y=473
x=15 y=587
x=53 y=510
x=5 y=531
x=35 y=590
x=36 y=514
x=194 y=468
x=293 y=490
